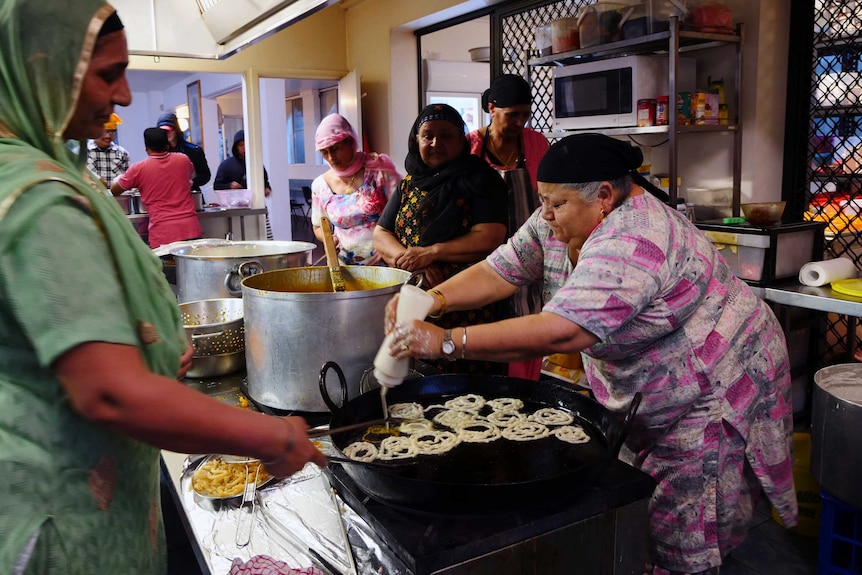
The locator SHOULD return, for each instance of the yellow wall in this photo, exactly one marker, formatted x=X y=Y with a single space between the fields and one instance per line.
x=369 y=26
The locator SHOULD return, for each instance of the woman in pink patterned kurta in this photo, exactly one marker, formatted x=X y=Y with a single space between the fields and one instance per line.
x=352 y=193
x=656 y=310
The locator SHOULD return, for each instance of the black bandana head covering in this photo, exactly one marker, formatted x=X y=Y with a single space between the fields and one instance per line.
x=585 y=158
x=439 y=112
x=506 y=91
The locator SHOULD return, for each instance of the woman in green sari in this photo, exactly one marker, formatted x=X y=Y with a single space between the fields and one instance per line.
x=91 y=340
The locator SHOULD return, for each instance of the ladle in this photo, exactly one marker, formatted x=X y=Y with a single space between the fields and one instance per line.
x=331 y=255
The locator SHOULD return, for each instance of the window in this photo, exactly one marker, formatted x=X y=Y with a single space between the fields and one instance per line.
x=328 y=101
x=295 y=131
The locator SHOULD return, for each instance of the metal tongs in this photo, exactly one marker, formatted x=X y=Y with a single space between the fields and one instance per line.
x=245 y=522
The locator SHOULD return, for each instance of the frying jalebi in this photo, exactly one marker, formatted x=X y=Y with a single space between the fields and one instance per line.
x=571 y=434
x=552 y=416
x=505 y=404
x=525 y=431
x=396 y=448
x=406 y=411
x=433 y=442
x=361 y=451
x=505 y=418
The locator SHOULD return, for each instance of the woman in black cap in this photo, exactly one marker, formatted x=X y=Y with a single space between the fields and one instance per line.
x=448 y=213
x=655 y=310
x=505 y=143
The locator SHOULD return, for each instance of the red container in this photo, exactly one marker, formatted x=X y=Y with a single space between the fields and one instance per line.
x=646 y=113
x=661 y=106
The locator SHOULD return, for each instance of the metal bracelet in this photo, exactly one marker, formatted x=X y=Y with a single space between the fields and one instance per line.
x=464 y=343
x=442 y=299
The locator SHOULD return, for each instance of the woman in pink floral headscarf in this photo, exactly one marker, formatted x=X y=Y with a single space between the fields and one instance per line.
x=352 y=193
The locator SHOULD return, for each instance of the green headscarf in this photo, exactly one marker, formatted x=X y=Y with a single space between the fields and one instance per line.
x=45 y=50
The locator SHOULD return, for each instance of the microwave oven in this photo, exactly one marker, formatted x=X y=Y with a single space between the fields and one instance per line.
x=605 y=93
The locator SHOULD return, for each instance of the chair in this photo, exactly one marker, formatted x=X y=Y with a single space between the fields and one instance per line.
x=306 y=192
x=297 y=208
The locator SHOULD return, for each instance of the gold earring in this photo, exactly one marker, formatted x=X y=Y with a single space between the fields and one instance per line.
x=602 y=212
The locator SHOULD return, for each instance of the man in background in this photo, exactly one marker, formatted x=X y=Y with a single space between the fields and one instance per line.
x=106 y=158
x=231 y=173
x=164 y=180
x=169 y=123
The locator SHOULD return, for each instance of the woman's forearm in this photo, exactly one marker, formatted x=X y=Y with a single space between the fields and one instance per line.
x=387 y=245
x=474 y=287
x=480 y=241
x=110 y=385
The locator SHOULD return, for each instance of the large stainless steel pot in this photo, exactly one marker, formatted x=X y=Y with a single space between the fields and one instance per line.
x=836 y=460
x=294 y=323
x=215 y=271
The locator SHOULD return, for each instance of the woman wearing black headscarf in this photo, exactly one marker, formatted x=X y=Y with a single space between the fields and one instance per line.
x=447 y=214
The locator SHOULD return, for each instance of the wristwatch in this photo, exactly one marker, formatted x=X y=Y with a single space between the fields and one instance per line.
x=448 y=345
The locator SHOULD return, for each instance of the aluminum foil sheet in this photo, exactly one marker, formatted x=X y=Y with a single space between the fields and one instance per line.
x=291 y=517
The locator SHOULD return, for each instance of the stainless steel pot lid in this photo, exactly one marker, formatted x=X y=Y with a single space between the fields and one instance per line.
x=241 y=249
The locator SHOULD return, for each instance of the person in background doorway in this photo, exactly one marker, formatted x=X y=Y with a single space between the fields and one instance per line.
x=352 y=192
x=106 y=158
x=511 y=148
x=231 y=173
x=658 y=312
x=168 y=122
x=164 y=180
x=91 y=338
x=448 y=213
x=505 y=143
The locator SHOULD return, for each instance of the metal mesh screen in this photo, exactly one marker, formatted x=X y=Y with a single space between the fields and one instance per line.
x=519 y=46
x=834 y=159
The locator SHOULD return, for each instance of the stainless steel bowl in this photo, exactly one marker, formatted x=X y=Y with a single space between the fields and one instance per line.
x=216 y=330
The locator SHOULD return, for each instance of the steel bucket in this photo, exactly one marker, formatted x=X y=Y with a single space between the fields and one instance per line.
x=836 y=426
x=215 y=271
x=294 y=323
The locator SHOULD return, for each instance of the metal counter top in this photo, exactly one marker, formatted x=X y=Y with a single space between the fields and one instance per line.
x=822 y=298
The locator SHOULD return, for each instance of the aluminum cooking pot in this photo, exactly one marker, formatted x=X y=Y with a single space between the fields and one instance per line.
x=836 y=414
x=215 y=271
x=294 y=323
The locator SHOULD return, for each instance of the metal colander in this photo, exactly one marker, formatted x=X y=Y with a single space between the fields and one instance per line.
x=214 y=326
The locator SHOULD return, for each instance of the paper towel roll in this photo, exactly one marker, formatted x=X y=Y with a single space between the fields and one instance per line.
x=821 y=273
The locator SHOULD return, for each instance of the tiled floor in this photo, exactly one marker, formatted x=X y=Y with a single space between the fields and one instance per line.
x=770 y=549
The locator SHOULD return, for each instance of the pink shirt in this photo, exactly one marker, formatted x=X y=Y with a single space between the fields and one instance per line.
x=535 y=146
x=165 y=184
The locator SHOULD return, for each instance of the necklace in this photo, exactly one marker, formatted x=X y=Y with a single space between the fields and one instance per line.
x=349 y=183
x=508 y=162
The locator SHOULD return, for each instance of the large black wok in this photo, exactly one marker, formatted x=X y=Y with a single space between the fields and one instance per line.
x=488 y=477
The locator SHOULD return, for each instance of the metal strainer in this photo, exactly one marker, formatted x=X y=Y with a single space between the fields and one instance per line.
x=215 y=326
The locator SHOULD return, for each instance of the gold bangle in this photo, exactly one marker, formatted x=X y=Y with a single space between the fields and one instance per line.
x=442 y=299
x=464 y=343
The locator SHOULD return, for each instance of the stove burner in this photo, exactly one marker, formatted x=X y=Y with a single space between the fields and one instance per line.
x=312 y=417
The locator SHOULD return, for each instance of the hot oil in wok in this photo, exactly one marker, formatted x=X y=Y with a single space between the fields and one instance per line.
x=498 y=462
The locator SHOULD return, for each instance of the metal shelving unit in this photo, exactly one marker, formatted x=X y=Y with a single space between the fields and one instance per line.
x=672 y=43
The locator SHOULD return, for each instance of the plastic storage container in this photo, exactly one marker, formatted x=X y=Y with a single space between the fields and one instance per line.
x=565 y=35
x=234 y=198
x=650 y=17
x=544 y=42
x=840 y=538
x=599 y=23
x=761 y=256
x=711 y=203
